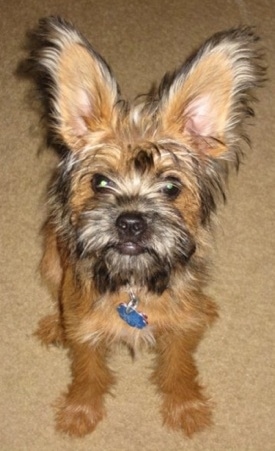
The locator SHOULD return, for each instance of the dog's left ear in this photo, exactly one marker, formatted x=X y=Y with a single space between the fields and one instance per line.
x=207 y=100
x=80 y=91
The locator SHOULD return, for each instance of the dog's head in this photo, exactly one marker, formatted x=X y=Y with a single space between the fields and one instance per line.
x=137 y=183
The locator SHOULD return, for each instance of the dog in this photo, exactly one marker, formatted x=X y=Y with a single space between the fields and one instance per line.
x=130 y=212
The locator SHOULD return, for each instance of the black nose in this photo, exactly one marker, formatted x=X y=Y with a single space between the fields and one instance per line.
x=131 y=224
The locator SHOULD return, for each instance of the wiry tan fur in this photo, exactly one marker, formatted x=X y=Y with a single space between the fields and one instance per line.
x=164 y=161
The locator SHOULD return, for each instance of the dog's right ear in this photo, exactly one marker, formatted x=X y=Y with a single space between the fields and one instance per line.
x=78 y=87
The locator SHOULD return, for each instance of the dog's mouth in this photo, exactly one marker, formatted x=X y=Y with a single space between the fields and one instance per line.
x=130 y=248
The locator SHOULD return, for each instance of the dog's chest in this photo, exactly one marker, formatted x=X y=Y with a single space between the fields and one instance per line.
x=118 y=320
x=115 y=331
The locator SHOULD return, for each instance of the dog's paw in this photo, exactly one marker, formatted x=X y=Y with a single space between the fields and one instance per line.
x=77 y=419
x=190 y=416
x=50 y=330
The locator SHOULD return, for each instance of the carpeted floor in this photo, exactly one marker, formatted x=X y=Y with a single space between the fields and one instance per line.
x=141 y=40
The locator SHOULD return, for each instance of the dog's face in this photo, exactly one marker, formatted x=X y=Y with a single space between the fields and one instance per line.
x=137 y=216
x=137 y=183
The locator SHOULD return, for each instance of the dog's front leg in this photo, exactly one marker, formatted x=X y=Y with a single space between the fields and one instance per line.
x=184 y=406
x=82 y=407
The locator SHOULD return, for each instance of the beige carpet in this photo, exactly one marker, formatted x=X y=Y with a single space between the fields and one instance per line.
x=141 y=40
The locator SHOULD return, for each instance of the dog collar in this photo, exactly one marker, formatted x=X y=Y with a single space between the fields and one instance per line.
x=129 y=314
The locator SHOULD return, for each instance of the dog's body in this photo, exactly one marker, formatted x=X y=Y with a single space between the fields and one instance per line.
x=130 y=208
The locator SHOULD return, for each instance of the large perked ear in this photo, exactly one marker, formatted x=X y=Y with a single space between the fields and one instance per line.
x=80 y=91
x=207 y=100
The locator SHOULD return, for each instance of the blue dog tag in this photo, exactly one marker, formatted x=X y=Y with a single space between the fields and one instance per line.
x=131 y=316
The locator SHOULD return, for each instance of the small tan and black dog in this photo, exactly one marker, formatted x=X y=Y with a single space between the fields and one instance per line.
x=130 y=207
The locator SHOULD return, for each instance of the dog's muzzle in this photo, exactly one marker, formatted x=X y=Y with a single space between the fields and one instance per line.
x=131 y=227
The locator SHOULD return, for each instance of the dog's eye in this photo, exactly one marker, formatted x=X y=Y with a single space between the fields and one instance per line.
x=101 y=184
x=172 y=188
